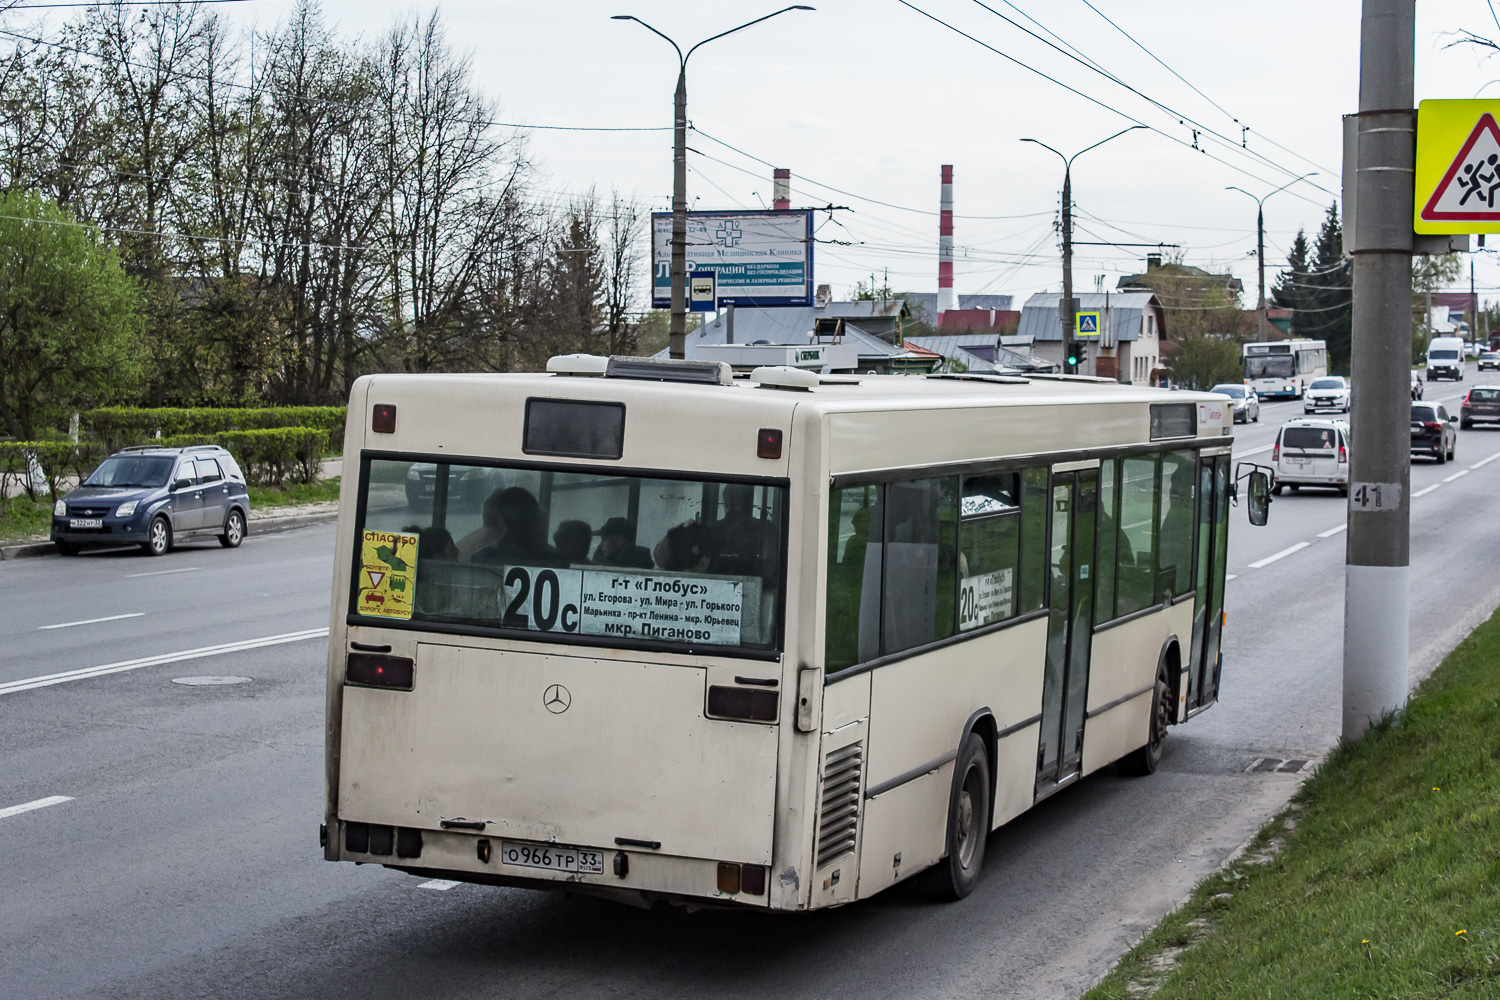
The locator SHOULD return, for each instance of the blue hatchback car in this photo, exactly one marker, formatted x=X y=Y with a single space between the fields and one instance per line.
x=151 y=497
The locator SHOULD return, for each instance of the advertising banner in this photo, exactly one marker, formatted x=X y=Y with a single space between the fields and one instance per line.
x=758 y=258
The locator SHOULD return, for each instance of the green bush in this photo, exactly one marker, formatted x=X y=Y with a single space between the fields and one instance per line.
x=119 y=426
x=269 y=456
x=58 y=460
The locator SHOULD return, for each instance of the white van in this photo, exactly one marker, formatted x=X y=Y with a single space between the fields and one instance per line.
x=1312 y=452
x=1445 y=358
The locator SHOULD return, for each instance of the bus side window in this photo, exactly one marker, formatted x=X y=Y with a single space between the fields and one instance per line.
x=1035 y=510
x=990 y=525
x=1109 y=526
x=854 y=563
x=1135 y=588
x=1174 y=576
x=921 y=562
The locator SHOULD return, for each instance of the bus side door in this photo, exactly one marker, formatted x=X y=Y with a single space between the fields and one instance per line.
x=1208 y=604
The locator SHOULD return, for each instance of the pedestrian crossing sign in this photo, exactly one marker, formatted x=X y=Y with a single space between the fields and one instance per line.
x=1457 y=167
x=1086 y=324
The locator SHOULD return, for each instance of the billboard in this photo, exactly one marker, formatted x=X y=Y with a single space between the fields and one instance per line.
x=759 y=258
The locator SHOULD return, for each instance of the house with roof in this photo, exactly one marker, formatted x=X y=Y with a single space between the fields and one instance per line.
x=923 y=305
x=871 y=327
x=982 y=353
x=1130 y=342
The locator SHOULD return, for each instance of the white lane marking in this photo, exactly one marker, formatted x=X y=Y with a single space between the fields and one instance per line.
x=26 y=807
x=1460 y=472
x=1333 y=531
x=439 y=884
x=91 y=621
x=28 y=683
x=1485 y=461
x=1254 y=451
x=1231 y=576
x=1268 y=560
x=1423 y=493
x=161 y=572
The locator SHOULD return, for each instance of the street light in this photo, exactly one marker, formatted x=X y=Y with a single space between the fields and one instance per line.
x=1260 y=245
x=1070 y=360
x=678 y=329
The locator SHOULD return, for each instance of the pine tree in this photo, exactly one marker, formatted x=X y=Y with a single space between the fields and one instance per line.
x=1289 y=289
x=1326 y=311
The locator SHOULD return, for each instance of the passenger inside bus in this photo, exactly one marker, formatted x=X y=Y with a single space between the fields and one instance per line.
x=434 y=544
x=739 y=542
x=617 y=546
x=488 y=532
x=682 y=549
x=523 y=538
x=572 y=540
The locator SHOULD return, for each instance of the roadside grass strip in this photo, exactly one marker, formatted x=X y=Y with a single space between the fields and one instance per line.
x=1381 y=879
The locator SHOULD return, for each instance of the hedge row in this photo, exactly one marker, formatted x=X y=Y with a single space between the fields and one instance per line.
x=57 y=459
x=119 y=426
x=269 y=456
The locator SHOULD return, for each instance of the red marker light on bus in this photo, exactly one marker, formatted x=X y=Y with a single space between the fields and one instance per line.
x=768 y=443
x=383 y=419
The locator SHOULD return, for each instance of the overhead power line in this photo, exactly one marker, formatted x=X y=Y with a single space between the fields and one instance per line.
x=1094 y=100
x=1201 y=94
x=1182 y=117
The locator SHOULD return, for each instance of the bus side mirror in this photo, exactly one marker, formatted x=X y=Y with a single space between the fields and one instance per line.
x=1260 y=498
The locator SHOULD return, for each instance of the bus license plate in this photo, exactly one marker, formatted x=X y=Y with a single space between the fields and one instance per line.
x=86 y=522
x=558 y=859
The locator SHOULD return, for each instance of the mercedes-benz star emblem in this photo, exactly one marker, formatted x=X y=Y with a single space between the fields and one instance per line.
x=556 y=699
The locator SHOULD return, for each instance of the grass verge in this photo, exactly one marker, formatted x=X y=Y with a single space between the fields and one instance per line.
x=1382 y=879
x=21 y=520
x=291 y=494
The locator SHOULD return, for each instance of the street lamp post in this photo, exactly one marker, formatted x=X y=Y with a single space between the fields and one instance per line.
x=678 y=329
x=1066 y=312
x=1260 y=245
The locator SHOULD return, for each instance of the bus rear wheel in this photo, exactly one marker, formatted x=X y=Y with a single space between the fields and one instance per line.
x=968 y=822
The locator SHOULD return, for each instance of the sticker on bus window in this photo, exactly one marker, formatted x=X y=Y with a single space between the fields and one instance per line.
x=718 y=611
x=387 y=574
x=989 y=597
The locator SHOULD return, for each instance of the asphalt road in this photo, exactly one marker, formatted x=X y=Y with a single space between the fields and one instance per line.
x=184 y=860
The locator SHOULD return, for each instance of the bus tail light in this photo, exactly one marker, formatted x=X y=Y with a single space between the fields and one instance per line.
x=375 y=670
x=746 y=704
x=729 y=878
x=768 y=443
x=383 y=419
x=753 y=880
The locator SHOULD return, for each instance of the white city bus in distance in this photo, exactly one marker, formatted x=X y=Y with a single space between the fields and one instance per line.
x=1284 y=367
x=646 y=630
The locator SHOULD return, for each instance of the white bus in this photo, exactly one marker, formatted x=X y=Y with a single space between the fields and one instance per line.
x=1284 y=367
x=649 y=630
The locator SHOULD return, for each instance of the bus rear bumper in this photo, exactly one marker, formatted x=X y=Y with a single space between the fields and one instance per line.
x=645 y=878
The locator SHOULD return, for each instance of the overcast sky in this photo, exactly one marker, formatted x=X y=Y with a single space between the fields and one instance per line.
x=871 y=97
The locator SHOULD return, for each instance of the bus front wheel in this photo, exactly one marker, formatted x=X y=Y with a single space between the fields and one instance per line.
x=968 y=822
x=1143 y=761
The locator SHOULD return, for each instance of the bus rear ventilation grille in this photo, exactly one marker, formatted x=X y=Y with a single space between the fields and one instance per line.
x=838 y=817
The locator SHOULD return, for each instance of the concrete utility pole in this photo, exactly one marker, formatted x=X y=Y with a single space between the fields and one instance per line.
x=1066 y=311
x=1260 y=248
x=1378 y=556
x=677 y=343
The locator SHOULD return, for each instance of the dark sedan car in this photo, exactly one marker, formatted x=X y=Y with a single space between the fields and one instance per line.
x=1481 y=405
x=151 y=497
x=1433 y=431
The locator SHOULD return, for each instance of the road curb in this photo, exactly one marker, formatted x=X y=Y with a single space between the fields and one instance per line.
x=257 y=526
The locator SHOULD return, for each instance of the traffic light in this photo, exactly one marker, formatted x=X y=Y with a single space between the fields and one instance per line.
x=1078 y=356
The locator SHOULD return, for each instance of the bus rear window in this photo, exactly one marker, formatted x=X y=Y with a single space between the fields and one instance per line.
x=674 y=562
x=575 y=428
x=1309 y=438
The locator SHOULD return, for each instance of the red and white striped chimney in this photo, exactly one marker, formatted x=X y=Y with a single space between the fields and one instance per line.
x=781 y=190
x=945 y=297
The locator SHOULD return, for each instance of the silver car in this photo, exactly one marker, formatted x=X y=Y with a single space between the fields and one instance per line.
x=1246 y=402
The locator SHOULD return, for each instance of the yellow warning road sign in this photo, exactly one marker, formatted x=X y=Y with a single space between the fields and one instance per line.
x=1458 y=167
x=387 y=574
